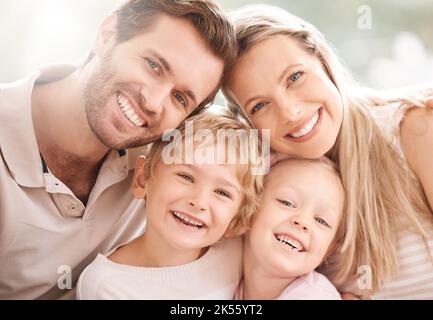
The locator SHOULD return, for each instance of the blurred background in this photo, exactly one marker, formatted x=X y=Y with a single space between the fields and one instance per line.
x=386 y=43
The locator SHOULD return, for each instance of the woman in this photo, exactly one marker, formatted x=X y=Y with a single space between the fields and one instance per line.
x=288 y=79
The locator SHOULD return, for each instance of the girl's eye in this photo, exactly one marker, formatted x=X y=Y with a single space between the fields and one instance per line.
x=223 y=193
x=179 y=98
x=153 y=65
x=185 y=177
x=323 y=222
x=295 y=77
x=257 y=107
x=288 y=203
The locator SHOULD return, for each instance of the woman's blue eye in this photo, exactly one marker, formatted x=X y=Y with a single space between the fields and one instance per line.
x=295 y=76
x=257 y=107
x=322 y=222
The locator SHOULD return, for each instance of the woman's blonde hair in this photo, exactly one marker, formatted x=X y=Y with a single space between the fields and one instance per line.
x=383 y=195
x=251 y=184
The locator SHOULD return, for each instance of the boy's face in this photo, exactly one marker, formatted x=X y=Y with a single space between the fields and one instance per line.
x=189 y=207
x=301 y=208
x=139 y=88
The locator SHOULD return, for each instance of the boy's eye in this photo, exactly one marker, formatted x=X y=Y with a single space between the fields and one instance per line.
x=186 y=177
x=322 y=222
x=223 y=193
x=288 y=203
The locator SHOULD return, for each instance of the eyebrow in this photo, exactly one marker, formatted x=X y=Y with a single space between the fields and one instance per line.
x=223 y=181
x=280 y=78
x=169 y=70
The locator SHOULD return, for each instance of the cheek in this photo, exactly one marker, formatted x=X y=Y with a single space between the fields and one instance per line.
x=322 y=242
x=225 y=211
x=172 y=118
x=330 y=94
x=267 y=121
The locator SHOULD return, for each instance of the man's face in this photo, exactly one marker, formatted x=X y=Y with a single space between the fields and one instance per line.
x=150 y=83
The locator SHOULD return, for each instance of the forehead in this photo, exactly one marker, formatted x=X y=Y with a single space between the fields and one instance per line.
x=263 y=63
x=311 y=181
x=278 y=48
x=211 y=158
x=183 y=47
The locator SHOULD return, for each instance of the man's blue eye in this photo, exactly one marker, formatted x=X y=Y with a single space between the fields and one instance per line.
x=180 y=99
x=153 y=66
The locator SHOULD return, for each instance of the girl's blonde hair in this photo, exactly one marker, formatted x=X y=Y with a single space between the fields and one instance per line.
x=383 y=195
x=251 y=185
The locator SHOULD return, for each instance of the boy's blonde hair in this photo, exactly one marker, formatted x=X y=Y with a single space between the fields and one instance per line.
x=383 y=194
x=251 y=185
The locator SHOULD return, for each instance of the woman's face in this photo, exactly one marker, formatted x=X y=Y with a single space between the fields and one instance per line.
x=284 y=88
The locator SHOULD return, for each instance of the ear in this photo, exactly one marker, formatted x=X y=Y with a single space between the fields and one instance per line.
x=141 y=176
x=106 y=37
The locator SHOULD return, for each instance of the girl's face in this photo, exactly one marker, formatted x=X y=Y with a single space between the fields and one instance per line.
x=189 y=207
x=300 y=212
x=284 y=88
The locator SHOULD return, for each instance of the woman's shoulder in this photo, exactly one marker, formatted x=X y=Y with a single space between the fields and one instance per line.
x=416 y=134
x=417 y=125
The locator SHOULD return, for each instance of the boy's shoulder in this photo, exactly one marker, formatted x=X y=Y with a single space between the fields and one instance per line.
x=92 y=276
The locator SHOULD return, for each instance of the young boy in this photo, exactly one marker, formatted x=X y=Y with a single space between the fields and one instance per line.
x=190 y=207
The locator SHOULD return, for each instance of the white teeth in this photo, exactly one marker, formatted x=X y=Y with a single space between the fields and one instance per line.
x=308 y=127
x=188 y=220
x=129 y=112
x=295 y=245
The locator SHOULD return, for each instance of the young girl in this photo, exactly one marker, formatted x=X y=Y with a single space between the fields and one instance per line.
x=298 y=225
x=288 y=79
x=190 y=207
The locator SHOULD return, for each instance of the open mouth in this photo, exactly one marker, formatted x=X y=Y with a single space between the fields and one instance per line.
x=188 y=220
x=128 y=111
x=307 y=128
x=291 y=243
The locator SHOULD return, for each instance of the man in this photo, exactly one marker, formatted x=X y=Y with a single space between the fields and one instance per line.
x=64 y=174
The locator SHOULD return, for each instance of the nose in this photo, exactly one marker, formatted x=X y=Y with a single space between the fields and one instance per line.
x=155 y=96
x=299 y=223
x=198 y=201
x=289 y=109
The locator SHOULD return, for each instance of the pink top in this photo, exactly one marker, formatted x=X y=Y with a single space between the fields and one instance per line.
x=312 y=286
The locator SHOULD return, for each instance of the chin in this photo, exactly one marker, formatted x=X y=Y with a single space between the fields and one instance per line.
x=314 y=151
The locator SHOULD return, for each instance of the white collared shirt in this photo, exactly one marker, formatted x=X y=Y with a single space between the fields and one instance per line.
x=45 y=231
